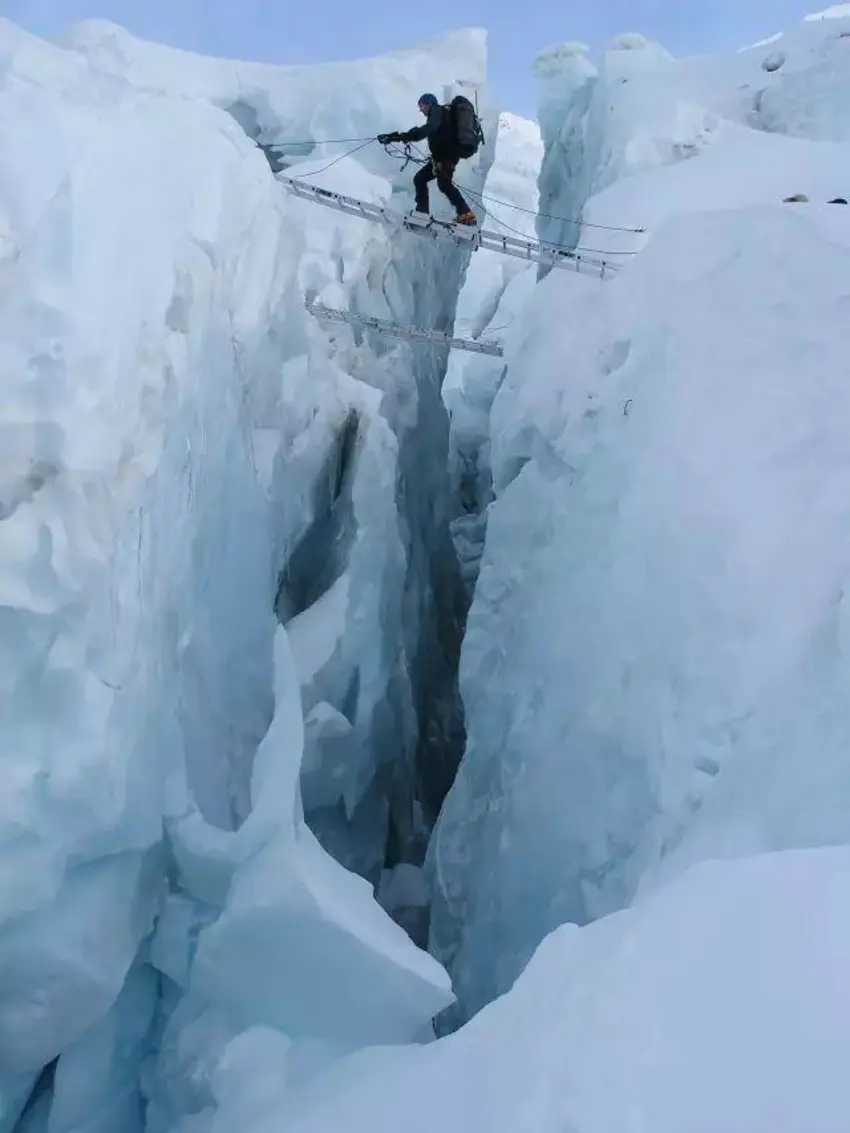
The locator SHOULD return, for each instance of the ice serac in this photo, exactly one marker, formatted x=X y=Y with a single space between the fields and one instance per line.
x=766 y=123
x=668 y=544
x=186 y=453
x=720 y=1003
x=602 y=123
x=566 y=80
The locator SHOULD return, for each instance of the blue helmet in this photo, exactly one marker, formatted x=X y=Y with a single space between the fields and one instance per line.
x=427 y=99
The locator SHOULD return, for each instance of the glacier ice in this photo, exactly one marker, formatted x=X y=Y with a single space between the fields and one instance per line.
x=185 y=451
x=612 y=126
x=566 y=82
x=300 y=949
x=62 y=967
x=96 y=1083
x=667 y=547
x=118 y=353
x=238 y=552
x=15 y=1094
x=300 y=945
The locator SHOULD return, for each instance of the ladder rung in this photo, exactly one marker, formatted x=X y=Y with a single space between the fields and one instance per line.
x=397 y=330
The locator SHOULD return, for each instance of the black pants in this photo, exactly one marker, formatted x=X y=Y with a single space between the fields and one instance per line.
x=442 y=171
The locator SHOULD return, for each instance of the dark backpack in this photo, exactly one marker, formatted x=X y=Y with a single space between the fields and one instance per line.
x=466 y=127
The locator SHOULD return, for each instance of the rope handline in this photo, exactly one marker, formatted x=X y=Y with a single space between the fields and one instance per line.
x=342 y=156
x=318 y=142
x=563 y=247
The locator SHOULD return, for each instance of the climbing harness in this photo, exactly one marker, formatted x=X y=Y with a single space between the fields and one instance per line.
x=397 y=330
x=408 y=156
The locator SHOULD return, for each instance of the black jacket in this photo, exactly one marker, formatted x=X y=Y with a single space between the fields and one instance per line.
x=437 y=128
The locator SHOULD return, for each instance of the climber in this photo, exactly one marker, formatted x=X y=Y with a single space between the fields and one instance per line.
x=452 y=134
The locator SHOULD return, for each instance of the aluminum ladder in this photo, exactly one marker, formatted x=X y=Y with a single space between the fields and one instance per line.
x=463 y=236
x=396 y=330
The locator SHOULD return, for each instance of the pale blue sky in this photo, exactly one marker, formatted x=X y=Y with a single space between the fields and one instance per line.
x=307 y=31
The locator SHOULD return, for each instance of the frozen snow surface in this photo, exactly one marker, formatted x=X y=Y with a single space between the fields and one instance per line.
x=238 y=552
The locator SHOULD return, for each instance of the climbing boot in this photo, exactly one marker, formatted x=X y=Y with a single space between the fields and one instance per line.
x=466 y=218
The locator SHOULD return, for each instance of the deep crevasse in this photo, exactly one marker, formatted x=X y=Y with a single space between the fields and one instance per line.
x=218 y=454
x=495 y=290
x=656 y=652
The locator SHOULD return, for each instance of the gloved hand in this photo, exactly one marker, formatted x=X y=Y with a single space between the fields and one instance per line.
x=384 y=139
